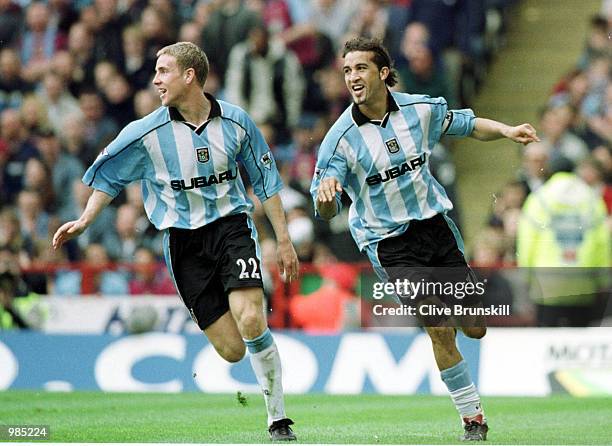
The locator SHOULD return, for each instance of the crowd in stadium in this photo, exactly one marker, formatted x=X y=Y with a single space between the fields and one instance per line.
x=73 y=73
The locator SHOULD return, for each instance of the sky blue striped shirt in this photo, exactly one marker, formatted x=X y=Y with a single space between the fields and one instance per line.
x=385 y=168
x=190 y=176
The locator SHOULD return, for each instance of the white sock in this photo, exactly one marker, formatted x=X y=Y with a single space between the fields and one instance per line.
x=267 y=367
x=462 y=390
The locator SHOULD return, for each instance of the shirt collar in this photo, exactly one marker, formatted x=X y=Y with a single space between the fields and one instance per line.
x=215 y=110
x=361 y=119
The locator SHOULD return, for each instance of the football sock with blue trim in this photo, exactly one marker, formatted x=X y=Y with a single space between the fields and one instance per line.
x=463 y=391
x=266 y=364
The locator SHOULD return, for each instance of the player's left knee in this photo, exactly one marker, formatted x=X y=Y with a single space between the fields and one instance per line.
x=232 y=353
x=475 y=332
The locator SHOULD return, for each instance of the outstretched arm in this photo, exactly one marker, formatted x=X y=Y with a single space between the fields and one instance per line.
x=97 y=201
x=288 y=264
x=489 y=130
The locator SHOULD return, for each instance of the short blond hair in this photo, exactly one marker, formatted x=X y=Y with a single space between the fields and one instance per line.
x=188 y=55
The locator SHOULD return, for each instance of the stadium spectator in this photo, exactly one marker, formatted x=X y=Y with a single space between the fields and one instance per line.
x=190 y=32
x=423 y=74
x=169 y=11
x=149 y=237
x=555 y=124
x=11 y=22
x=534 y=171
x=36 y=177
x=73 y=135
x=303 y=153
x=333 y=18
x=62 y=15
x=11 y=286
x=80 y=46
x=106 y=23
x=597 y=111
x=57 y=99
x=593 y=173
x=100 y=129
x=572 y=90
x=597 y=43
x=149 y=277
x=13 y=86
x=332 y=96
x=228 y=24
x=138 y=66
x=563 y=237
x=440 y=19
x=39 y=42
x=128 y=238
x=34 y=114
x=371 y=20
x=20 y=149
x=415 y=36
x=145 y=102
x=35 y=223
x=103 y=72
x=266 y=80
x=10 y=235
x=65 y=169
x=157 y=31
x=119 y=99
x=290 y=21
x=102 y=230
x=63 y=63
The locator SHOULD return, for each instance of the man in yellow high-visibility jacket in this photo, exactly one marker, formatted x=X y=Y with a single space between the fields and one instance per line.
x=564 y=241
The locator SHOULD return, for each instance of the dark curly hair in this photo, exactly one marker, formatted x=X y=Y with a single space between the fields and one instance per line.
x=381 y=55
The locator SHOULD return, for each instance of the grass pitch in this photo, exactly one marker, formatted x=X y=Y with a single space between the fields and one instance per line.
x=360 y=419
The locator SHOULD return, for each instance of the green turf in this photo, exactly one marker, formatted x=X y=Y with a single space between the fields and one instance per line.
x=371 y=419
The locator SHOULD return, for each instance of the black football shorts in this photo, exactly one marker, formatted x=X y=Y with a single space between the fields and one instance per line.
x=428 y=252
x=208 y=262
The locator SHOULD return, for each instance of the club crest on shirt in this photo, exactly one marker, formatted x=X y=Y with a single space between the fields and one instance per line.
x=266 y=160
x=392 y=145
x=202 y=154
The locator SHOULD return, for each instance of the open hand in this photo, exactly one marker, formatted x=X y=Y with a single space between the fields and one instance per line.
x=67 y=232
x=288 y=265
x=326 y=192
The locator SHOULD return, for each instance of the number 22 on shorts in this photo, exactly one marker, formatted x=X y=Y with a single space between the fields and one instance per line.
x=248 y=271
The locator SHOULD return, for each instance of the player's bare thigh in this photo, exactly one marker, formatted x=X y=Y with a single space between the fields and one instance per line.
x=223 y=334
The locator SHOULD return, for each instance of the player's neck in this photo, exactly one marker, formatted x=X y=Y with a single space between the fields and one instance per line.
x=376 y=108
x=196 y=109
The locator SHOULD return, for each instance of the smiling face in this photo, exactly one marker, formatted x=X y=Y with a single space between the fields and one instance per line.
x=169 y=80
x=363 y=78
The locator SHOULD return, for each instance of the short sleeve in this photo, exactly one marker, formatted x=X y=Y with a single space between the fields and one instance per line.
x=259 y=162
x=117 y=166
x=459 y=122
x=331 y=162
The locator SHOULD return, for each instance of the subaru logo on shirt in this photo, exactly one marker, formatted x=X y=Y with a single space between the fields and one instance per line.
x=397 y=171
x=202 y=154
